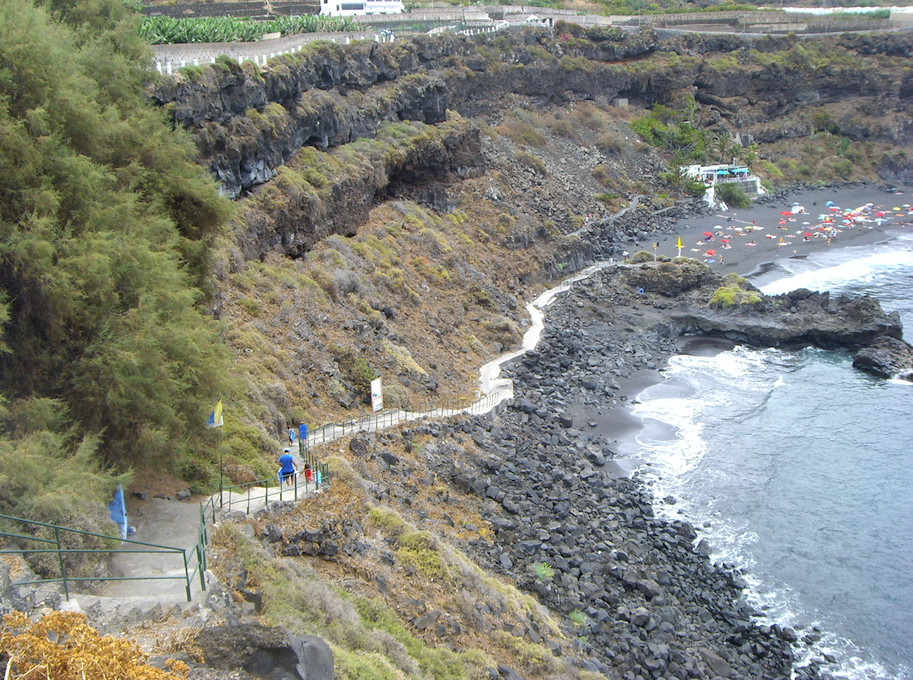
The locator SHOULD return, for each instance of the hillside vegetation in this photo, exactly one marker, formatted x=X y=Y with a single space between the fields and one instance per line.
x=443 y=183
x=105 y=230
x=405 y=252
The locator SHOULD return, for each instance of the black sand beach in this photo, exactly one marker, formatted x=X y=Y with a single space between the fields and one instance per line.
x=644 y=583
x=613 y=418
x=764 y=219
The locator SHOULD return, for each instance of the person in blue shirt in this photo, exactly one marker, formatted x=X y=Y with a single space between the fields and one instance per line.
x=289 y=467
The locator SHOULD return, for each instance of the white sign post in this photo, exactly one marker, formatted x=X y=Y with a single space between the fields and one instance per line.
x=377 y=395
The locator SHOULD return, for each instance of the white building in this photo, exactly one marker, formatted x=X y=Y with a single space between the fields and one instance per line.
x=348 y=8
x=714 y=175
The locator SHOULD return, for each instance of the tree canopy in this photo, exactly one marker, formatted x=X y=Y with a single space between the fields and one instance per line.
x=105 y=226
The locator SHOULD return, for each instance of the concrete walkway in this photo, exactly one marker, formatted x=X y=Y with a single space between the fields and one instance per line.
x=163 y=523
x=176 y=523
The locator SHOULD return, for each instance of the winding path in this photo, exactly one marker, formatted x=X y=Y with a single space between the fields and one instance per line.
x=176 y=523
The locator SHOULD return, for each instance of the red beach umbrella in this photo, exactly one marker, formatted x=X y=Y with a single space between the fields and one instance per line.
x=833 y=208
x=880 y=213
x=710 y=253
x=724 y=240
x=806 y=234
x=708 y=233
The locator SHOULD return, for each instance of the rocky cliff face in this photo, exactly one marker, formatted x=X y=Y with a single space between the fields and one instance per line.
x=247 y=123
x=294 y=223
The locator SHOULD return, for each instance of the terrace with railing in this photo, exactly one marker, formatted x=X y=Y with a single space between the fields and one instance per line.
x=176 y=564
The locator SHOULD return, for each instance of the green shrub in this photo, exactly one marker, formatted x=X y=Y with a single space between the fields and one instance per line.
x=231 y=63
x=602 y=175
x=389 y=522
x=733 y=195
x=251 y=306
x=578 y=618
x=356 y=368
x=641 y=256
x=543 y=571
x=842 y=168
x=522 y=133
x=419 y=550
x=531 y=161
x=771 y=169
x=193 y=72
x=480 y=297
x=609 y=143
x=736 y=291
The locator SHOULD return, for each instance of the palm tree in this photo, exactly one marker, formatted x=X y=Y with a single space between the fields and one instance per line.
x=723 y=146
x=748 y=154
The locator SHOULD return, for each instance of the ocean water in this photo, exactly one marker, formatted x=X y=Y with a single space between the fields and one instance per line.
x=799 y=470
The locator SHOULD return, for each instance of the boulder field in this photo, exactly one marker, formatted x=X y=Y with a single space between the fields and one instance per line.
x=645 y=597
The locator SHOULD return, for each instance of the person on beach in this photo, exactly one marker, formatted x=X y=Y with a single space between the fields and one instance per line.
x=308 y=473
x=289 y=467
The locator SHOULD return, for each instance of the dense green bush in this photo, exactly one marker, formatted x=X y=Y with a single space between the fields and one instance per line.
x=736 y=291
x=674 y=131
x=733 y=195
x=106 y=225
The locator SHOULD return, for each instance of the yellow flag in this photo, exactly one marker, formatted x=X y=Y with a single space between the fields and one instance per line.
x=679 y=244
x=215 y=418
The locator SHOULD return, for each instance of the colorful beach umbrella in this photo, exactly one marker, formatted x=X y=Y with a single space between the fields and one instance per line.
x=710 y=253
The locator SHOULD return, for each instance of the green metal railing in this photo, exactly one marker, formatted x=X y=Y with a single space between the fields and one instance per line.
x=193 y=560
x=271 y=489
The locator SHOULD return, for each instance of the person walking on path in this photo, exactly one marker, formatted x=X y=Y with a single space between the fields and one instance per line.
x=289 y=467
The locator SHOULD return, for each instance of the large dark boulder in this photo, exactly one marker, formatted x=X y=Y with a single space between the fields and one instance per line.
x=886 y=357
x=266 y=652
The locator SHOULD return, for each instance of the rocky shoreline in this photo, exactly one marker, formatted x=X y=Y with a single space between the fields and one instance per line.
x=640 y=595
x=645 y=599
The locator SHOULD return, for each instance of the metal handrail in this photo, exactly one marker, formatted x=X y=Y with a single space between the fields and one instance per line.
x=194 y=558
x=321 y=478
x=66 y=580
x=335 y=430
